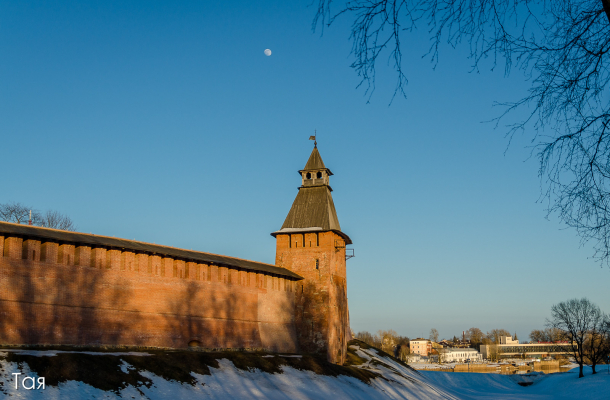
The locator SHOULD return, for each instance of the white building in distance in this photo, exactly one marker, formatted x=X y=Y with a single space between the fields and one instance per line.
x=453 y=354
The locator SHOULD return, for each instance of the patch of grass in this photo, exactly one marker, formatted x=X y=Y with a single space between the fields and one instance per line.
x=101 y=372
x=380 y=352
x=104 y=372
x=353 y=359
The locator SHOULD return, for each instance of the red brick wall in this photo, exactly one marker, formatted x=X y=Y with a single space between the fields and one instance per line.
x=321 y=298
x=110 y=298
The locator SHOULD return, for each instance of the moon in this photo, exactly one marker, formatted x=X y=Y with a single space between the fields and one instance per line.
x=267 y=52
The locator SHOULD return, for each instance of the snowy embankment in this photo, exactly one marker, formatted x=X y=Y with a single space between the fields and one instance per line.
x=80 y=375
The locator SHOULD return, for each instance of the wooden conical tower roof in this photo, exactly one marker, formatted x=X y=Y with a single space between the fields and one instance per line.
x=313 y=209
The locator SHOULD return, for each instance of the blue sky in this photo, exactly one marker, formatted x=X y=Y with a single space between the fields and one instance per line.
x=166 y=123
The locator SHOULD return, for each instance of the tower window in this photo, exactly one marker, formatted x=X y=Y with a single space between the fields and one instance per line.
x=308 y=176
x=319 y=175
x=317 y=264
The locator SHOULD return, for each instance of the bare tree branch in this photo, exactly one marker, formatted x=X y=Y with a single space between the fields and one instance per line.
x=563 y=50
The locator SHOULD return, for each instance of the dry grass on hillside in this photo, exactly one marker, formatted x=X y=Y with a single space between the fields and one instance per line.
x=105 y=371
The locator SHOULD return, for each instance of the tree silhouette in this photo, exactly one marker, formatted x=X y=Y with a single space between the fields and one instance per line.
x=19 y=213
x=580 y=321
x=562 y=47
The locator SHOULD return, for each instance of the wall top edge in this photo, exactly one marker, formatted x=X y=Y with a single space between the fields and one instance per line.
x=87 y=239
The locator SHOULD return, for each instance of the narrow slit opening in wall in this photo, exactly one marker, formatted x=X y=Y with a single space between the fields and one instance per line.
x=317 y=264
x=317 y=239
x=290 y=241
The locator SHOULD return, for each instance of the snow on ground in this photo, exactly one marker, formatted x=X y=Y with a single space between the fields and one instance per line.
x=396 y=381
x=564 y=385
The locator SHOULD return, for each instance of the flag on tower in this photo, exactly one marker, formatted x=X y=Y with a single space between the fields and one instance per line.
x=312 y=138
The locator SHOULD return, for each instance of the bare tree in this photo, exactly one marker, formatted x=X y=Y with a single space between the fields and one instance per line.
x=433 y=335
x=551 y=335
x=563 y=49
x=365 y=337
x=577 y=318
x=494 y=335
x=475 y=335
x=57 y=220
x=405 y=350
x=388 y=339
x=19 y=213
x=596 y=344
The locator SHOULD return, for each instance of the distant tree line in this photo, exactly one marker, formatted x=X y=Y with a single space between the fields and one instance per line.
x=392 y=343
x=20 y=214
x=548 y=335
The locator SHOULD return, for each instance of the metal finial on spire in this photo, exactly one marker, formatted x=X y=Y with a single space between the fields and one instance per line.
x=315 y=142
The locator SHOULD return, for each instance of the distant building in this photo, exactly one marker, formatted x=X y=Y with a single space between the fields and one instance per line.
x=535 y=350
x=456 y=354
x=420 y=346
x=508 y=340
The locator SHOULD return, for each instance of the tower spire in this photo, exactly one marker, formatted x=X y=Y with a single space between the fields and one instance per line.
x=313 y=209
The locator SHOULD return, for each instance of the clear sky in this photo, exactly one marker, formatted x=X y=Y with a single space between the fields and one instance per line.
x=165 y=122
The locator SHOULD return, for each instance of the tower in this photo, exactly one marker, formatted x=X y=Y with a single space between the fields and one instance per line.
x=312 y=245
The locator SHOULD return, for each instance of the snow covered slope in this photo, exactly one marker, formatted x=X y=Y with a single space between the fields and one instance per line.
x=190 y=375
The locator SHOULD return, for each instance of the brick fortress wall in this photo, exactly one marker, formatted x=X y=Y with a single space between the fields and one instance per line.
x=321 y=314
x=65 y=294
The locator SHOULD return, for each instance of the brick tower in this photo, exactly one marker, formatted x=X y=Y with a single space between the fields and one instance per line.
x=312 y=245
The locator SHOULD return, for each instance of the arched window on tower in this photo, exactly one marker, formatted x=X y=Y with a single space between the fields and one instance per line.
x=308 y=175
x=319 y=175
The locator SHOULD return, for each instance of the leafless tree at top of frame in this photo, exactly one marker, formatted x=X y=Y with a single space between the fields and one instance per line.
x=563 y=49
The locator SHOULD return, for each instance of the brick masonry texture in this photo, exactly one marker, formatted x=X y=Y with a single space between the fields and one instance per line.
x=66 y=294
x=321 y=313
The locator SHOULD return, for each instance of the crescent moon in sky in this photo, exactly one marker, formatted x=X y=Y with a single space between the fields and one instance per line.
x=267 y=52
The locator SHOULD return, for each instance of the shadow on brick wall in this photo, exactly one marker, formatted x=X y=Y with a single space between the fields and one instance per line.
x=213 y=317
x=58 y=304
